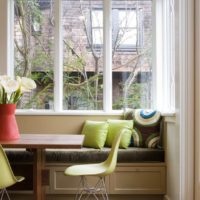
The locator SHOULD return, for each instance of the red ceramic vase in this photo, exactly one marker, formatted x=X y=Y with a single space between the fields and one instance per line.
x=8 y=125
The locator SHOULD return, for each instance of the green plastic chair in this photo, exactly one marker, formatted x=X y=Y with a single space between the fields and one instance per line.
x=7 y=178
x=101 y=170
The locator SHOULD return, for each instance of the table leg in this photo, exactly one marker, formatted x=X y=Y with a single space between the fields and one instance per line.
x=38 y=189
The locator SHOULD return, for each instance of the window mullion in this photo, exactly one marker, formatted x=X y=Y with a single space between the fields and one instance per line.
x=107 y=52
x=158 y=78
x=58 y=62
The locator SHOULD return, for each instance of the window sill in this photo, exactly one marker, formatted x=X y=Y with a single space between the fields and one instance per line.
x=66 y=112
x=78 y=113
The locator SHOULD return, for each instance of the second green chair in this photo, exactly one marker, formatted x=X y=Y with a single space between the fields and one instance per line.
x=100 y=170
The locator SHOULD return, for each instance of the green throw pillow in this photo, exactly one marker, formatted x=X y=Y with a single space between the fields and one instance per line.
x=114 y=126
x=95 y=133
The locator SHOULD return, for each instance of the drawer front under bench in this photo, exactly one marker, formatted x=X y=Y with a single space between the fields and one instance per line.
x=138 y=180
x=128 y=178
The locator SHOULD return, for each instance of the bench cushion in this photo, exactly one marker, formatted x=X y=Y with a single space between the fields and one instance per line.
x=90 y=155
x=19 y=156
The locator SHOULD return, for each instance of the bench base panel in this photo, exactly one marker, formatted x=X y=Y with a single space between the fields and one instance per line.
x=128 y=178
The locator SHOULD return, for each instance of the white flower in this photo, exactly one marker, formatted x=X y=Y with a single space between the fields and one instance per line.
x=12 y=90
x=4 y=78
x=26 y=84
x=9 y=84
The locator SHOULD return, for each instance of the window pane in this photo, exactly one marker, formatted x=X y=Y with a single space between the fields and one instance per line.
x=97 y=36
x=97 y=18
x=34 y=40
x=128 y=36
x=82 y=59
x=132 y=54
x=127 y=18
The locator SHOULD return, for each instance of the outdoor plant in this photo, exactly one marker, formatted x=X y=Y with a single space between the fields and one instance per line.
x=12 y=90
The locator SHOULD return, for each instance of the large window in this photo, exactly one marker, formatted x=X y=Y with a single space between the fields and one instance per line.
x=62 y=44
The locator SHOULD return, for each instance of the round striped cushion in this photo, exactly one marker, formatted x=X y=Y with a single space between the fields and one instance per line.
x=146 y=130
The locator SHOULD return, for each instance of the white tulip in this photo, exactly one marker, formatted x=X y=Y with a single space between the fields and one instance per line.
x=4 y=78
x=26 y=84
x=10 y=85
x=12 y=90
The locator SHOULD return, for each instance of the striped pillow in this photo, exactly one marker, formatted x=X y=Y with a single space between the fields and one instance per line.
x=146 y=131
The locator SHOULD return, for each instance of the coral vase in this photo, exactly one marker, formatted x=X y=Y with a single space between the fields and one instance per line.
x=8 y=125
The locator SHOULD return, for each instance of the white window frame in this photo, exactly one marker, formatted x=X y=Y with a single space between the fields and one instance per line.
x=164 y=60
x=165 y=74
x=58 y=60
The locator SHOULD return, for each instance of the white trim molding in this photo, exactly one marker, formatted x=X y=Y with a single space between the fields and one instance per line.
x=197 y=100
x=186 y=98
x=164 y=55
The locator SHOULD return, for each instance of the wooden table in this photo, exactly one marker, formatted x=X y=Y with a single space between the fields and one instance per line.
x=38 y=143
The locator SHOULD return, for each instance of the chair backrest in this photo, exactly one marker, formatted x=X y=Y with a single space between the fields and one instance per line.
x=7 y=177
x=111 y=161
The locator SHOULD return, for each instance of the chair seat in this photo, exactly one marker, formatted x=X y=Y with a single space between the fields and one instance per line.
x=86 y=170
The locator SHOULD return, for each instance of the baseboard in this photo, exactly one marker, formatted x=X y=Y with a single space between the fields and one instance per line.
x=111 y=197
x=71 y=197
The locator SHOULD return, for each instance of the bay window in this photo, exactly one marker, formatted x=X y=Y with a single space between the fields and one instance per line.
x=87 y=54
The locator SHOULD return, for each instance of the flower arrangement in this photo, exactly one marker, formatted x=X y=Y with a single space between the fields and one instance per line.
x=12 y=90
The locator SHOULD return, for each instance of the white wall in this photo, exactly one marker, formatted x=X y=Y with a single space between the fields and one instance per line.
x=172 y=151
x=185 y=114
x=4 y=57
